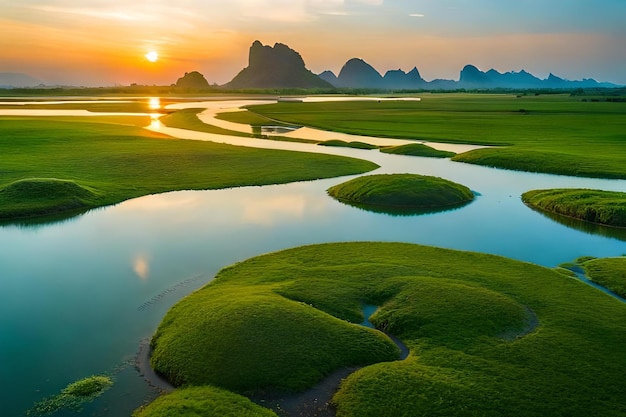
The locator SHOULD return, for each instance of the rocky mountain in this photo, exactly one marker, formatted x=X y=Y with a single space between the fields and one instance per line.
x=400 y=80
x=276 y=67
x=17 y=79
x=193 y=80
x=357 y=73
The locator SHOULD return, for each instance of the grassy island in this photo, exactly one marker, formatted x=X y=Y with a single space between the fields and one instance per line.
x=51 y=167
x=608 y=272
x=595 y=206
x=488 y=335
x=344 y=144
x=417 y=149
x=402 y=193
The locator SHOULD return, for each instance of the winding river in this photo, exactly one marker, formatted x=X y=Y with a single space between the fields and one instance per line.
x=80 y=295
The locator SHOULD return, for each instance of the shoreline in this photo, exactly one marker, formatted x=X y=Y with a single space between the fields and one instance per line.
x=142 y=364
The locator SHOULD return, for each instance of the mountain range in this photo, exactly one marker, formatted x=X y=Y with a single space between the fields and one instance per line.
x=282 y=67
x=17 y=79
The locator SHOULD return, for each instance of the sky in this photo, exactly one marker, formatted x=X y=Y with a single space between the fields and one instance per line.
x=104 y=42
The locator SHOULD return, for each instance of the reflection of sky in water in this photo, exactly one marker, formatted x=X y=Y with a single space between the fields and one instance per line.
x=141 y=266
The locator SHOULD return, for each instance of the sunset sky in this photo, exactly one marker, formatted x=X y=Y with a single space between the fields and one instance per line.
x=104 y=42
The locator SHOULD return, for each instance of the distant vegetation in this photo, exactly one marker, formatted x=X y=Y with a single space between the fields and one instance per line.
x=417 y=149
x=51 y=167
x=205 y=401
x=402 y=193
x=595 y=206
x=488 y=335
x=557 y=134
x=608 y=272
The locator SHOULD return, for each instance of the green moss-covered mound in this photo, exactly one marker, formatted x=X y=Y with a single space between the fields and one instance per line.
x=344 y=144
x=489 y=336
x=402 y=193
x=40 y=196
x=608 y=272
x=203 y=401
x=417 y=149
x=245 y=337
x=595 y=206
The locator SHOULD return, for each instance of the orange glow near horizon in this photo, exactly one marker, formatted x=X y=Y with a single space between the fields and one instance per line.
x=153 y=43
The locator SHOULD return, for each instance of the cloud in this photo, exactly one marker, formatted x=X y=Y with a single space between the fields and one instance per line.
x=416 y=15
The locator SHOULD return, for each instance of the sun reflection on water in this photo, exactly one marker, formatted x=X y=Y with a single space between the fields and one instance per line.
x=154 y=103
x=155 y=123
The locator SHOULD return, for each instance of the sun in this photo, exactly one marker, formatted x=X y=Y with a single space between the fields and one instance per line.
x=152 y=56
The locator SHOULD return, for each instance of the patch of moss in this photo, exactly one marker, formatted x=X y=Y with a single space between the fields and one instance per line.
x=73 y=396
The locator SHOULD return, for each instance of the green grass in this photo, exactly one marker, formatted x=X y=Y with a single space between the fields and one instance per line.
x=417 y=149
x=595 y=206
x=248 y=337
x=555 y=134
x=249 y=118
x=608 y=272
x=489 y=336
x=204 y=401
x=188 y=119
x=402 y=193
x=51 y=167
x=344 y=144
x=73 y=396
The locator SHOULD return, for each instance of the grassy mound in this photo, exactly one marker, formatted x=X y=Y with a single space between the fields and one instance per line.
x=417 y=149
x=106 y=164
x=41 y=196
x=234 y=336
x=487 y=334
x=402 y=193
x=608 y=272
x=595 y=206
x=203 y=401
x=344 y=144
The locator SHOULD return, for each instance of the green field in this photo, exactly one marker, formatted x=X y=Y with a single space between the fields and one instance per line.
x=595 y=206
x=556 y=134
x=402 y=193
x=489 y=336
x=51 y=167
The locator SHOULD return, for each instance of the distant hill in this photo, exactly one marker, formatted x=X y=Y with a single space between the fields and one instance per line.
x=193 y=80
x=17 y=79
x=276 y=67
x=356 y=73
